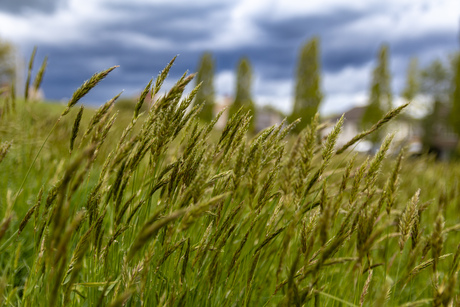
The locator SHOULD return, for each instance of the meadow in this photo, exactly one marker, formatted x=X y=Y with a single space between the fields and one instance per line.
x=156 y=208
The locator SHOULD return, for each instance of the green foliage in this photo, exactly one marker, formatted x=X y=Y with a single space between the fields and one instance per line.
x=308 y=94
x=455 y=111
x=158 y=209
x=412 y=87
x=436 y=81
x=243 y=96
x=380 y=93
x=436 y=84
x=205 y=94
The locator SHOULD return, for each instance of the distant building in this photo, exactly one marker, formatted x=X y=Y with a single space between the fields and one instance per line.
x=408 y=132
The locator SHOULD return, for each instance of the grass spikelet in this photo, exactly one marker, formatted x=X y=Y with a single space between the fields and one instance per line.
x=75 y=128
x=284 y=132
x=226 y=223
x=392 y=183
x=366 y=288
x=231 y=125
x=141 y=100
x=37 y=210
x=168 y=253
x=27 y=217
x=203 y=243
x=391 y=114
x=326 y=153
x=310 y=232
x=39 y=77
x=103 y=131
x=437 y=241
x=455 y=262
x=328 y=148
x=307 y=147
x=185 y=261
x=268 y=239
x=4 y=147
x=162 y=76
x=123 y=209
x=29 y=73
x=326 y=215
x=376 y=162
x=408 y=219
x=415 y=231
x=357 y=181
x=426 y=264
x=99 y=115
x=86 y=87
x=150 y=231
x=76 y=263
x=121 y=299
x=60 y=252
x=346 y=174
x=265 y=193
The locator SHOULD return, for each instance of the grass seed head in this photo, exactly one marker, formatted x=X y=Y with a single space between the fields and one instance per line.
x=86 y=87
x=75 y=128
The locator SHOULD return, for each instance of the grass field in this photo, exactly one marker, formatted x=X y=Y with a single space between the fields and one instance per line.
x=159 y=209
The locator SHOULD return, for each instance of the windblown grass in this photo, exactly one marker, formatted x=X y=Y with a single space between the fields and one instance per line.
x=161 y=209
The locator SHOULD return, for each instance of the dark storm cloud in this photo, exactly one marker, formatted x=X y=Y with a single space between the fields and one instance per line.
x=180 y=24
x=304 y=27
x=69 y=67
x=144 y=37
x=20 y=6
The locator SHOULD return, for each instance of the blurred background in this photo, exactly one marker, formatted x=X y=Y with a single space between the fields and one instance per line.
x=342 y=49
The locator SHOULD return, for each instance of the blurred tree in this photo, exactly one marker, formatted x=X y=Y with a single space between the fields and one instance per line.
x=7 y=62
x=243 y=96
x=436 y=81
x=412 y=87
x=205 y=76
x=308 y=94
x=380 y=95
x=455 y=100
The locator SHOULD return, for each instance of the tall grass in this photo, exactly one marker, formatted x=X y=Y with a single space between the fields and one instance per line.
x=162 y=209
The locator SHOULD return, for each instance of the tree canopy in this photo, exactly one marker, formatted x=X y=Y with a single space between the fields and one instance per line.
x=243 y=96
x=455 y=97
x=380 y=93
x=308 y=93
x=205 y=76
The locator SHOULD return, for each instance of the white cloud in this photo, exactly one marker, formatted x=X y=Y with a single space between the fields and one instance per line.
x=407 y=19
x=225 y=82
x=74 y=23
x=348 y=80
x=340 y=102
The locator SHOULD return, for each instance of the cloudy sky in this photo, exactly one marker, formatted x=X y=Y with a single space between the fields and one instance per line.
x=84 y=36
